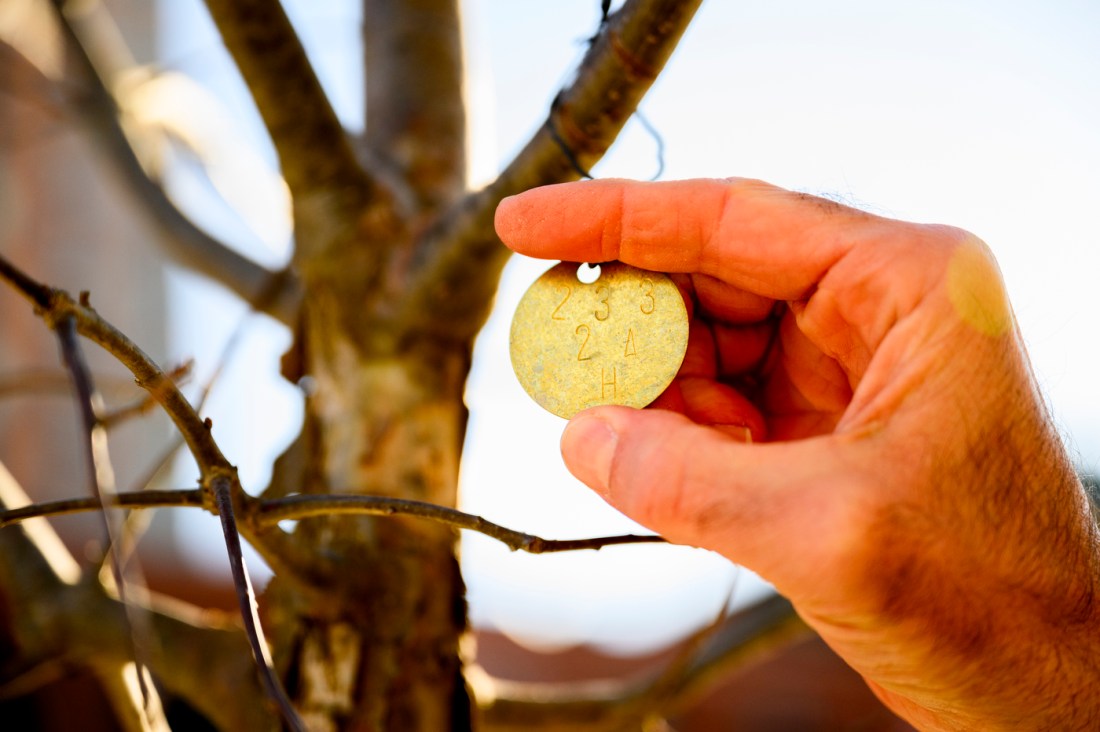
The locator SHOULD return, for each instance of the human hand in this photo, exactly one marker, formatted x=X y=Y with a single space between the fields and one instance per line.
x=904 y=487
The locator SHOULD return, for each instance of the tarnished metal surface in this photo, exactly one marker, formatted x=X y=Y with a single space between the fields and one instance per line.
x=618 y=340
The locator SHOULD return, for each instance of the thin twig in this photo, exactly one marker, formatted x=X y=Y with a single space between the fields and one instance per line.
x=48 y=383
x=37 y=382
x=267 y=513
x=102 y=481
x=144 y=405
x=223 y=497
x=136 y=499
x=658 y=140
x=33 y=290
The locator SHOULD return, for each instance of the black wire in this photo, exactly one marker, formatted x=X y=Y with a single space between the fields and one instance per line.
x=660 y=141
x=605 y=10
x=565 y=149
x=572 y=156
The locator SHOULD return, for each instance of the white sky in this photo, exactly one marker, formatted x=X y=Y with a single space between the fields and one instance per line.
x=976 y=113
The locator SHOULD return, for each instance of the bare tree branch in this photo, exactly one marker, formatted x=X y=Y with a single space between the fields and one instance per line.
x=264 y=514
x=37 y=382
x=118 y=684
x=416 y=115
x=221 y=486
x=747 y=637
x=315 y=154
x=458 y=263
x=276 y=293
x=268 y=513
x=133 y=499
x=246 y=599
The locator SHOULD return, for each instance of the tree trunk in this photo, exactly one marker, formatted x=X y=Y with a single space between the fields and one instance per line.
x=374 y=641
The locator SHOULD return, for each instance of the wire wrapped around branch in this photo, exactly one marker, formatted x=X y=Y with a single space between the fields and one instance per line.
x=458 y=262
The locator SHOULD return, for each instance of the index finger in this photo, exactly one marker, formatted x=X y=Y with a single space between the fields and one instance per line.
x=756 y=236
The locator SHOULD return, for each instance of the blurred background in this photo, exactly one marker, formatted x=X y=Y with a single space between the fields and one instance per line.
x=976 y=113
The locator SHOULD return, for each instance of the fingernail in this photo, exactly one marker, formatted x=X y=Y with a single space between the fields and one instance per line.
x=588 y=446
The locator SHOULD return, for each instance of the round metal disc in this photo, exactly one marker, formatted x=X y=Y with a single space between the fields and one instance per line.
x=618 y=340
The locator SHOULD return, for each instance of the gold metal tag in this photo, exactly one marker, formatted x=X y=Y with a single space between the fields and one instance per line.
x=619 y=340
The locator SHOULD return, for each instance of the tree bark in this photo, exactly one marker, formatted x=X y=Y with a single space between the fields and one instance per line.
x=374 y=641
x=417 y=129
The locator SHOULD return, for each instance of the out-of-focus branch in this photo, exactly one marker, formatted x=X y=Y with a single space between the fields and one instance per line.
x=459 y=261
x=746 y=638
x=416 y=114
x=135 y=499
x=120 y=684
x=276 y=293
x=315 y=154
x=38 y=383
x=35 y=383
x=135 y=700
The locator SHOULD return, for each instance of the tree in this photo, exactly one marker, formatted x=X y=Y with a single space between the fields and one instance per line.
x=395 y=265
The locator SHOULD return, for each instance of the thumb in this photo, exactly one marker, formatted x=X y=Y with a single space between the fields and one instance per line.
x=756 y=504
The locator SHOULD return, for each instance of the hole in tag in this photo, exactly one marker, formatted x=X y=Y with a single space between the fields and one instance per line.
x=588 y=273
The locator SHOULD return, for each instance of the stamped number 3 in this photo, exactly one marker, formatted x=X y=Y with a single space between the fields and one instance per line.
x=650 y=302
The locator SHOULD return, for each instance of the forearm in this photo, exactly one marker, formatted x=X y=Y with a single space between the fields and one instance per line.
x=1002 y=611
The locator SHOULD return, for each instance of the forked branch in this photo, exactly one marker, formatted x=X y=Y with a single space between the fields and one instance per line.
x=460 y=260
